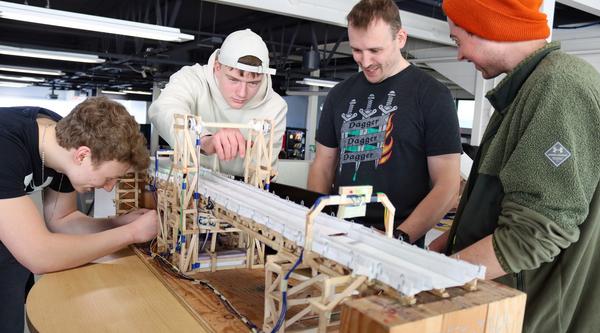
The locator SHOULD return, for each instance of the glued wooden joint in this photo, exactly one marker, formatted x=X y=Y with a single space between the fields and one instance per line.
x=440 y=293
x=471 y=285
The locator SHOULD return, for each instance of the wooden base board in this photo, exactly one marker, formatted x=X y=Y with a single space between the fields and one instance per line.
x=491 y=308
x=244 y=288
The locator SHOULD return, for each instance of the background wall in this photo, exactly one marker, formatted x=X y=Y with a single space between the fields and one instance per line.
x=296 y=116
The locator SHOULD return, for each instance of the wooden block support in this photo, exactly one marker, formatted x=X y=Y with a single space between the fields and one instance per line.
x=492 y=308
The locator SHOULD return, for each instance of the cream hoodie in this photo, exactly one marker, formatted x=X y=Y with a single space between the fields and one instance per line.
x=193 y=90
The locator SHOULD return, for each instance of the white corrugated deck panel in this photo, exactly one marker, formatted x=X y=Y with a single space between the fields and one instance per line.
x=406 y=268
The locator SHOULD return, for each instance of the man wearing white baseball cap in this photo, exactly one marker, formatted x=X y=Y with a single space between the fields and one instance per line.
x=234 y=87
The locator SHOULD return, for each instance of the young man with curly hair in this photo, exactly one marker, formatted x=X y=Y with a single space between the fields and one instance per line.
x=93 y=146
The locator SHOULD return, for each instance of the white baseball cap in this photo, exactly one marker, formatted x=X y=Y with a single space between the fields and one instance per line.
x=243 y=43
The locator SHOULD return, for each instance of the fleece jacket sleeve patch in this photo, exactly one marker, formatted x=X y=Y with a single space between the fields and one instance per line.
x=550 y=177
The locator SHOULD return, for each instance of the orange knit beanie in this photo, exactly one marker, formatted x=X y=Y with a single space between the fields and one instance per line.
x=499 y=20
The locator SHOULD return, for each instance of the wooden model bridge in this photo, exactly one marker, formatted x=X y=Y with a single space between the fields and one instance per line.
x=210 y=222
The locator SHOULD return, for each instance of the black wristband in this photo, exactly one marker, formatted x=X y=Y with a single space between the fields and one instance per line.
x=401 y=235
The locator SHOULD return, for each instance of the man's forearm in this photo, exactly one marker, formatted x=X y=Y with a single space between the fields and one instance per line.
x=319 y=181
x=429 y=211
x=482 y=253
x=57 y=251
x=78 y=223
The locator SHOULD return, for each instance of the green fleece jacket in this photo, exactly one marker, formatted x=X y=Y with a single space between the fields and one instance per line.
x=535 y=187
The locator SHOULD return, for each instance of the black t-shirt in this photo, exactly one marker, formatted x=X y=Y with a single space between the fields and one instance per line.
x=385 y=132
x=21 y=169
x=20 y=173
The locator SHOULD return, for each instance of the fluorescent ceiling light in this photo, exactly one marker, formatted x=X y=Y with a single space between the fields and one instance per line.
x=318 y=82
x=60 y=18
x=137 y=92
x=29 y=70
x=14 y=84
x=54 y=55
x=21 y=78
x=113 y=92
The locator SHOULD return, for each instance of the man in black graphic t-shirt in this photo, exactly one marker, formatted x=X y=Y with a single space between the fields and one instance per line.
x=391 y=126
x=97 y=143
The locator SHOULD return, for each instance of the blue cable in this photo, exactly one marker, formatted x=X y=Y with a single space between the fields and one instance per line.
x=281 y=318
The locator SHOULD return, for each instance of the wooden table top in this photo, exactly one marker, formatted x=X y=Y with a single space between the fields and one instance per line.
x=116 y=294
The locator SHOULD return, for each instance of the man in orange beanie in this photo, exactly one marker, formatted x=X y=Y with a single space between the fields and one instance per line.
x=530 y=211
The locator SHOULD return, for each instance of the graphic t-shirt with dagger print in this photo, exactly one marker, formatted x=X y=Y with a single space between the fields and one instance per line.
x=386 y=131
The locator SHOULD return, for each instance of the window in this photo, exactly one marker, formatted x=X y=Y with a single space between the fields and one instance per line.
x=466 y=113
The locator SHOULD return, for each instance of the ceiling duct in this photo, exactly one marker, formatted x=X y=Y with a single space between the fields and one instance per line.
x=311 y=60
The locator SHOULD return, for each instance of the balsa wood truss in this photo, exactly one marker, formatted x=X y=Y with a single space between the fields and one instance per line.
x=185 y=225
x=127 y=193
